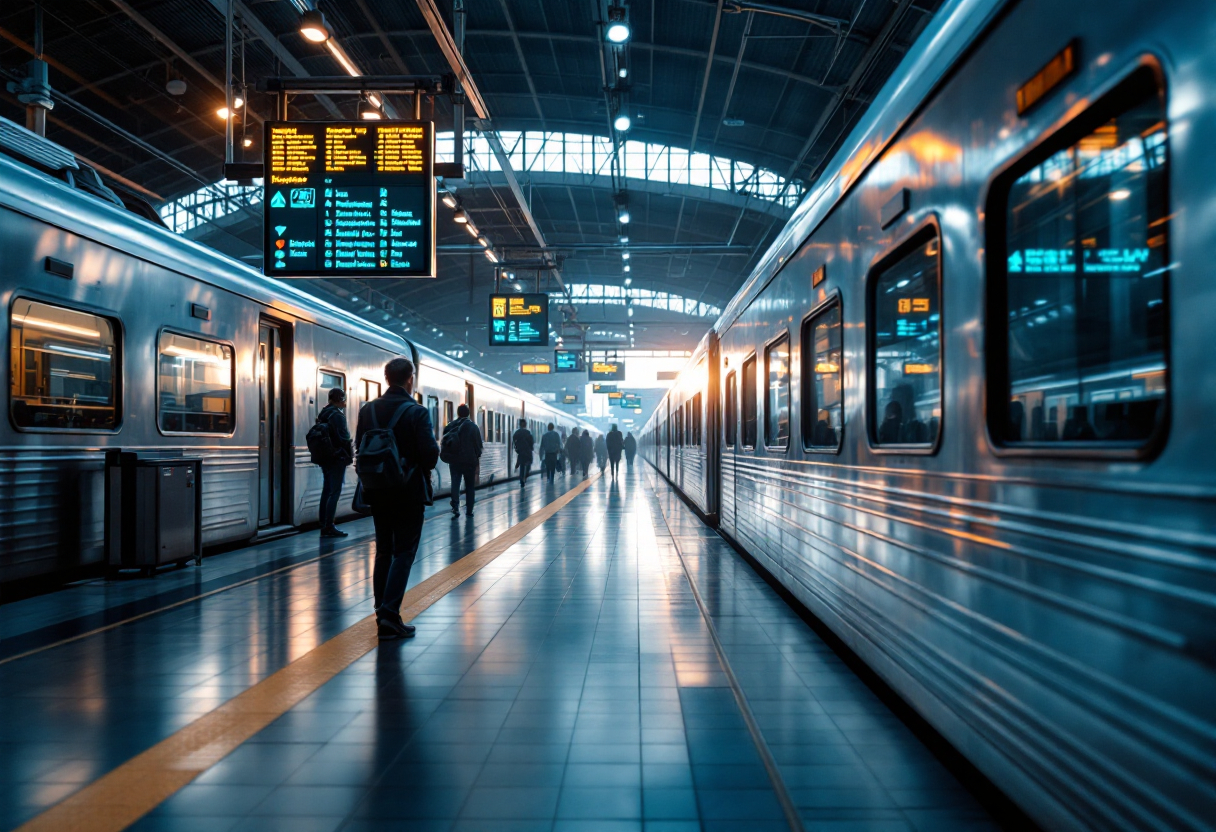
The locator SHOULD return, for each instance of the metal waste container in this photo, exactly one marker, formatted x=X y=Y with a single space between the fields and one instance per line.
x=154 y=510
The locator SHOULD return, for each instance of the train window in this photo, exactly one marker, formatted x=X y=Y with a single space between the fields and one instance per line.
x=64 y=368
x=432 y=405
x=449 y=412
x=196 y=385
x=326 y=381
x=906 y=345
x=1084 y=267
x=371 y=391
x=731 y=409
x=696 y=420
x=777 y=399
x=748 y=382
x=822 y=362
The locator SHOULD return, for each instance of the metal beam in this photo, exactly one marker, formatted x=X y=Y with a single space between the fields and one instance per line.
x=434 y=20
x=504 y=161
x=709 y=65
x=519 y=53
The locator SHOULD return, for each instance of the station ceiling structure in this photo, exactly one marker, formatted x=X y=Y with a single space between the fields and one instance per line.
x=732 y=110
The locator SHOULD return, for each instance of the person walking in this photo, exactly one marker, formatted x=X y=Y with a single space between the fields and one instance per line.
x=523 y=443
x=550 y=447
x=461 y=450
x=397 y=452
x=586 y=451
x=601 y=452
x=330 y=448
x=615 y=443
x=631 y=448
x=574 y=451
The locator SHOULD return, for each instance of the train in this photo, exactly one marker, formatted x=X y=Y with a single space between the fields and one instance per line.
x=962 y=408
x=125 y=336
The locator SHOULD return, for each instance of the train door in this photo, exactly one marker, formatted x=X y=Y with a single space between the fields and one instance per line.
x=468 y=397
x=271 y=424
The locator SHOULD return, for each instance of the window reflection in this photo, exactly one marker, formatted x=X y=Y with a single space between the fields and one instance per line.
x=748 y=383
x=823 y=361
x=1086 y=347
x=777 y=407
x=196 y=385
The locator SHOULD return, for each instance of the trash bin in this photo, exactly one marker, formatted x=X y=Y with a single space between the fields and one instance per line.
x=154 y=511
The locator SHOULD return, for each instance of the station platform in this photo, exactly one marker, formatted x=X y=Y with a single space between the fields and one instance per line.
x=589 y=656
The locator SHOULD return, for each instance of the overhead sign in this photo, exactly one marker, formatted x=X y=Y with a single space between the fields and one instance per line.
x=570 y=398
x=606 y=370
x=603 y=388
x=568 y=361
x=535 y=369
x=614 y=395
x=519 y=320
x=349 y=198
x=630 y=401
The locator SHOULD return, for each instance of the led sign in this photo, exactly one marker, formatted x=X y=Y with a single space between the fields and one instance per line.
x=535 y=369
x=570 y=398
x=918 y=369
x=1063 y=260
x=519 y=320
x=568 y=361
x=615 y=394
x=606 y=370
x=630 y=401
x=603 y=388
x=349 y=198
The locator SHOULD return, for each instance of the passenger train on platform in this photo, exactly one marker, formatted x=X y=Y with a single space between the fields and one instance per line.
x=964 y=408
x=124 y=335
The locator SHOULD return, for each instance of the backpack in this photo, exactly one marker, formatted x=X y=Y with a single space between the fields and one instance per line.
x=379 y=464
x=320 y=441
x=449 y=445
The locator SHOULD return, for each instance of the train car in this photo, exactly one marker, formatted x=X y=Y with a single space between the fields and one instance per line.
x=123 y=335
x=965 y=403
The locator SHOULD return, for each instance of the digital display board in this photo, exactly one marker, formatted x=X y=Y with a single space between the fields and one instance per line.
x=535 y=369
x=519 y=320
x=570 y=398
x=349 y=198
x=630 y=401
x=606 y=371
x=568 y=361
x=603 y=388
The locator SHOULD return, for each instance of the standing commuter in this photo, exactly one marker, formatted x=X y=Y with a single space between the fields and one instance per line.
x=550 y=447
x=334 y=456
x=461 y=450
x=601 y=452
x=523 y=442
x=397 y=453
x=585 y=452
x=631 y=448
x=615 y=443
x=574 y=451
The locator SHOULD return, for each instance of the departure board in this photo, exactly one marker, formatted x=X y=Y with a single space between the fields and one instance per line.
x=606 y=371
x=519 y=320
x=630 y=401
x=568 y=361
x=351 y=198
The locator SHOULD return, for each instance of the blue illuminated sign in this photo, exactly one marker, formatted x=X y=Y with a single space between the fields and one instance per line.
x=1063 y=261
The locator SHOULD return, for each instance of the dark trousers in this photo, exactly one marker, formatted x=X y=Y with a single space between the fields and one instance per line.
x=613 y=462
x=398 y=529
x=586 y=462
x=469 y=474
x=550 y=465
x=331 y=490
x=629 y=460
x=524 y=469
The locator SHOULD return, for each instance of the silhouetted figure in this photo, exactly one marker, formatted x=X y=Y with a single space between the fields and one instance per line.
x=892 y=422
x=1017 y=418
x=339 y=455
x=523 y=443
x=574 y=451
x=586 y=450
x=601 y=452
x=616 y=443
x=550 y=448
x=465 y=438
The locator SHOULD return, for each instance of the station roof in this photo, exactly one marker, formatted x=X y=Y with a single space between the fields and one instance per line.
x=761 y=92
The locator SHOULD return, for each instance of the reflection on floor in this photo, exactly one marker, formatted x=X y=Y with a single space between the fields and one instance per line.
x=572 y=684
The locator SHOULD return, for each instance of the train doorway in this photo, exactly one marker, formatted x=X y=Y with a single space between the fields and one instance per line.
x=271 y=424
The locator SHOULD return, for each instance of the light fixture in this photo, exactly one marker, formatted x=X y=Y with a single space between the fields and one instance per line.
x=237 y=103
x=313 y=26
x=622 y=209
x=460 y=216
x=622 y=72
x=621 y=123
x=368 y=112
x=175 y=86
x=247 y=142
x=624 y=255
x=626 y=268
x=1120 y=194
x=472 y=229
x=618 y=25
x=449 y=198
x=624 y=239
x=491 y=255
x=484 y=242
x=629 y=311
x=628 y=280
x=623 y=216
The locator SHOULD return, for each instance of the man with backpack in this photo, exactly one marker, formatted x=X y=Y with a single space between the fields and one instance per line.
x=329 y=446
x=461 y=450
x=550 y=449
x=397 y=452
x=524 y=442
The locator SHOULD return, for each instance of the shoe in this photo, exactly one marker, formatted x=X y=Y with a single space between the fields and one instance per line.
x=389 y=630
x=455 y=511
x=334 y=532
x=469 y=513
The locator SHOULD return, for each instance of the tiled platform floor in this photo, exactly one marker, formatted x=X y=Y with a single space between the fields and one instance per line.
x=570 y=685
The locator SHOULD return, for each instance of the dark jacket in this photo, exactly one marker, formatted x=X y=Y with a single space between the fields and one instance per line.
x=415 y=441
x=574 y=449
x=587 y=448
x=631 y=445
x=551 y=443
x=339 y=433
x=468 y=441
x=615 y=442
x=524 y=443
x=601 y=447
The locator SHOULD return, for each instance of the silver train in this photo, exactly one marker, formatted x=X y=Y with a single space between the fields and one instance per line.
x=963 y=409
x=122 y=334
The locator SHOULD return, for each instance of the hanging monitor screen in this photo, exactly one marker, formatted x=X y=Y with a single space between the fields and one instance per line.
x=349 y=198
x=606 y=371
x=630 y=401
x=519 y=320
x=568 y=361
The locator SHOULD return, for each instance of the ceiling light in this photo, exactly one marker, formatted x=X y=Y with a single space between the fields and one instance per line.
x=175 y=86
x=313 y=26
x=629 y=311
x=628 y=280
x=626 y=267
x=618 y=25
x=624 y=239
x=491 y=255
x=624 y=255
x=472 y=229
x=622 y=72
x=1121 y=193
x=484 y=242
x=460 y=216
x=248 y=142
x=623 y=216
x=622 y=123
x=449 y=198
x=369 y=113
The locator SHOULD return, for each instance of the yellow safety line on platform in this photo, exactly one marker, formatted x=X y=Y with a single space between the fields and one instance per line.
x=126 y=794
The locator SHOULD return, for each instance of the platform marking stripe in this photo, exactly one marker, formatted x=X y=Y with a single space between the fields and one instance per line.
x=126 y=794
x=788 y=807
